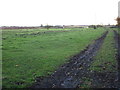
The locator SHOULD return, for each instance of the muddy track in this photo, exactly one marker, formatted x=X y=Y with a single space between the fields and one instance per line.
x=70 y=74
x=104 y=79
x=117 y=39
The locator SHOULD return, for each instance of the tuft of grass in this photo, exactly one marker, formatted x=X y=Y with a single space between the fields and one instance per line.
x=105 y=60
x=27 y=56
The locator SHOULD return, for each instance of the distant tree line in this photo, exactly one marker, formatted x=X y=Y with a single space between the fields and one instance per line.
x=48 y=26
x=28 y=27
x=95 y=26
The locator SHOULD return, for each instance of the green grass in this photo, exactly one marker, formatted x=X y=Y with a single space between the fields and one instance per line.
x=105 y=59
x=87 y=83
x=26 y=57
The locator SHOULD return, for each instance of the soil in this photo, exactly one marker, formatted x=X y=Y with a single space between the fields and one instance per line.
x=70 y=75
x=104 y=79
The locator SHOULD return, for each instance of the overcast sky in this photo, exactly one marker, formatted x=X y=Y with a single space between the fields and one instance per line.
x=57 y=12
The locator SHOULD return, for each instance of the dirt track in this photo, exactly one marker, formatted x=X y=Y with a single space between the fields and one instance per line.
x=108 y=79
x=70 y=74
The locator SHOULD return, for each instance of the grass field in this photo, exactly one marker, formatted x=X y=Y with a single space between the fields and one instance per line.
x=30 y=53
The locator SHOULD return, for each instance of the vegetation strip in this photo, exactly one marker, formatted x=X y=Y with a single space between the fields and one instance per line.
x=69 y=75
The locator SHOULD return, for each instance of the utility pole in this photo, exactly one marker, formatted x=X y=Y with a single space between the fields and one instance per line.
x=118 y=19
